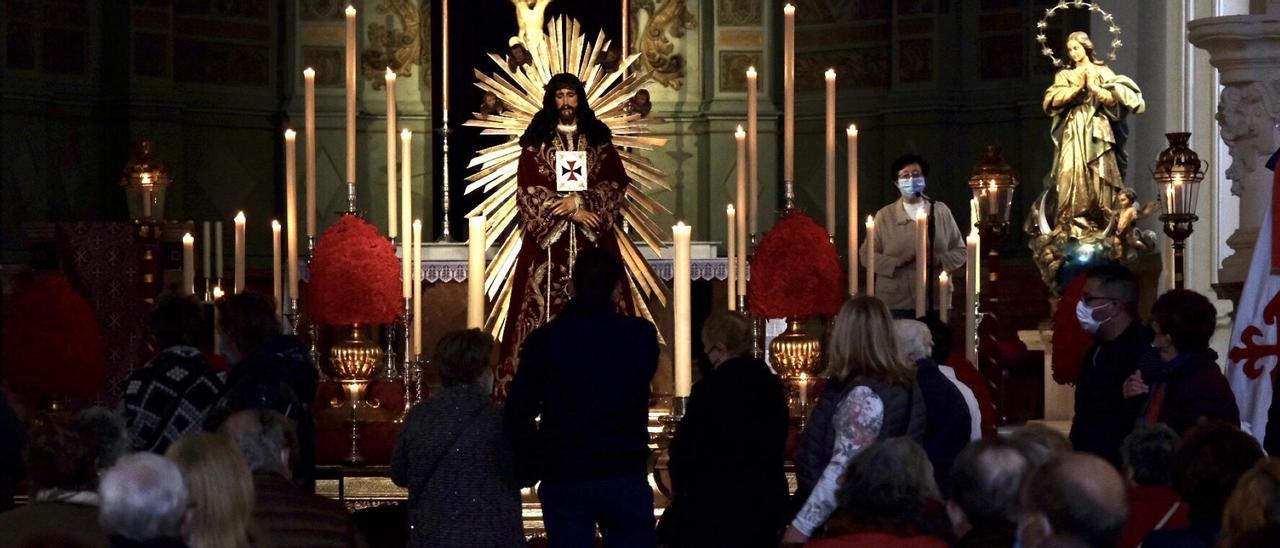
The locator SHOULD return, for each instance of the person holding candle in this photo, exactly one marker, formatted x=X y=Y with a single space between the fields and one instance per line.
x=586 y=373
x=896 y=241
x=727 y=454
x=565 y=208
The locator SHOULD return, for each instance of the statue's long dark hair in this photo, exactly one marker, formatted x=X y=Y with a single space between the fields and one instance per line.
x=543 y=127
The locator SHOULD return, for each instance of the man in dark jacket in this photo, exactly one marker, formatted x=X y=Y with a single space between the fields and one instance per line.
x=727 y=455
x=269 y=371
x=983 y=506
x=1108 y=310
x=587 y=374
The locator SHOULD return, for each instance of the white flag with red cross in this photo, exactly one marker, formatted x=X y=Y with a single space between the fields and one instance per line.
x=1255 y=340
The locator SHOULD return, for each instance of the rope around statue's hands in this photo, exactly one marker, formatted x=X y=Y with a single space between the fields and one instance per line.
x=1063 y=5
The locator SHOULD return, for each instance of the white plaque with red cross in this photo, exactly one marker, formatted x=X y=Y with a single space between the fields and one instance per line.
x=571 y=170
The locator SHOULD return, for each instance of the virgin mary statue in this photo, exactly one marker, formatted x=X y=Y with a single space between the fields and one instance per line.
x=1088 y=103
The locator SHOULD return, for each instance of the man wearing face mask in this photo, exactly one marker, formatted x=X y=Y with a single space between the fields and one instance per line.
x=895 y=239
x=1108 y=310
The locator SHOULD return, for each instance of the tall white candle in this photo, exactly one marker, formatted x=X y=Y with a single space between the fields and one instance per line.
x=475 y=271
x=753 y=154
x=789 y=93
x=188 y=264
x=217 y=252
x=444 y=56
x=146 y=195
x=830 y=77
x=683 y=337
x=852 y=209
x=732 y=292
x=390 y=77
x=309 y=79
x=217 y=322
x=944 y=296
x=740 y=229
x=238 y=285
x=291 y=211
x=206 y=251
x=922 y=262
x=351 y=96
x=977 y=248
x=417 y=286
x=406 y=209
x=973 y=273
x=871 y=256
x=276 y=289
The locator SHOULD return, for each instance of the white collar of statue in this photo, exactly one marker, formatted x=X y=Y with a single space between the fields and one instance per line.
x=567 y=129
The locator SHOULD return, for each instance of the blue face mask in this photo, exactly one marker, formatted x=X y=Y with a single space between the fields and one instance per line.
x=911 y=186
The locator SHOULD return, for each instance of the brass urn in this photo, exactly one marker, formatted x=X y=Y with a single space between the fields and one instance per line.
x=795 y=352
x=355 y=358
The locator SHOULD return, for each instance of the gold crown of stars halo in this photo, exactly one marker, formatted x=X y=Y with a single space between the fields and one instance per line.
x=1064 y=5
x=495 y=167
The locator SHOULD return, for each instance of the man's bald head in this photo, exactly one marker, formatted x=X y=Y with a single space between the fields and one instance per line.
x=1076 y=494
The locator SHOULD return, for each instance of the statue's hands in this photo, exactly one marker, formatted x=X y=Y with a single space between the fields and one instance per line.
x=565 y=206
x=586 y=218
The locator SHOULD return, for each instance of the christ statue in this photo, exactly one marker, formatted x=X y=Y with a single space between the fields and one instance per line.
x=529 y=18
x=570 y=189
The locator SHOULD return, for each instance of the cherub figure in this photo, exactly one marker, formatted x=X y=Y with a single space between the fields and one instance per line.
x=1124 y=231
x=490 y=104
x=611 y=60
x=517 y=55
x=639 y=104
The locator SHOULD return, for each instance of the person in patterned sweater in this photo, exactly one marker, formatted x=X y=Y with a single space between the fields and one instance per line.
x=171 y=395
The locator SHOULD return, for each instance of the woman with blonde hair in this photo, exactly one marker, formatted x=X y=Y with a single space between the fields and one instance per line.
x=871 y=395
x=221 y=491
x=1252 y=515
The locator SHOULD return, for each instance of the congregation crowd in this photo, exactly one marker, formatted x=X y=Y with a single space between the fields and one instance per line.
x=893 y=454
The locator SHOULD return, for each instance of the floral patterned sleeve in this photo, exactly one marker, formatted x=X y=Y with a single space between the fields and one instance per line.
x=536 y=198
x=608 y=185
x=858 y=421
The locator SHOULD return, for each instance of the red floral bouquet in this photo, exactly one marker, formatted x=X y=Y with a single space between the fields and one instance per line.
x=53 y=346
x=355 y=276
x=795 y=272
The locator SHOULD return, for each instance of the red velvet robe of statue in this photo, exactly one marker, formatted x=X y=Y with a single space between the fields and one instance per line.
x=540 y=284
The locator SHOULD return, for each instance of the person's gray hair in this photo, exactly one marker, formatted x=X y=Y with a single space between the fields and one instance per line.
x=143 y=497
x=111 y=432
x=914 y=340
x=260 y=436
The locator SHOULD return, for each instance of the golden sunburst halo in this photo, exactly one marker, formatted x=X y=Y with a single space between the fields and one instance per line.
x=494 y=175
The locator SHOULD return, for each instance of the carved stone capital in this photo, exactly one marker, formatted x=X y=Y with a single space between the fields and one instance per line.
x=1246 y=51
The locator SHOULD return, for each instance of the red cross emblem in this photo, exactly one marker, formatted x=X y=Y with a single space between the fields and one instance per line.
x=1254 y=349
x=571 y=170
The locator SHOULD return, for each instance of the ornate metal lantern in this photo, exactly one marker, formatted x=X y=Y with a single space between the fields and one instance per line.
x=1178 y=173
x=145 y=178
x=993 y=182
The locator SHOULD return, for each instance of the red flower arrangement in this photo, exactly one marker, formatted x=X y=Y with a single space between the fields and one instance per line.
x=355 y=276
x=795 y=272
x=53 y=346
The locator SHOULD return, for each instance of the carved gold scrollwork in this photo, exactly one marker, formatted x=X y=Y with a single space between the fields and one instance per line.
x=398 y=49
x=667 y=20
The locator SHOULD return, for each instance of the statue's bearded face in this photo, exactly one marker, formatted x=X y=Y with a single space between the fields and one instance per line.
x=567 y=105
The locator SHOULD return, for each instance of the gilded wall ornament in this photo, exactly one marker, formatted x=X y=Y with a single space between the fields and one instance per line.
x=667 y=20
x=397 y=49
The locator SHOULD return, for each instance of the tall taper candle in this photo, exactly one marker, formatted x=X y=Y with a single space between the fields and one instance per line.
x=740 y=230
x=390 y=77
x=977 y=248
x=238 y=286
x=475 y=271
x=444 y=56
x=753 y=156
x=351 y=97
x=972 y=274
x=146 y=195
x=683 y=338
x=406 y=199
x=830 y=77
x=188 y=264
x=944 y=296
x=852 y=209
x=417 y=286
x=218 y=269
x=922 y=262
x=871 y=256
x=276 y=289
x=291 y=211
x=732 y=291
x=309 y=78
x=206 y=251
x=789 y=93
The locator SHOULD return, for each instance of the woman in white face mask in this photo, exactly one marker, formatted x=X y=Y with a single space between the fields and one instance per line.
x=896 y=240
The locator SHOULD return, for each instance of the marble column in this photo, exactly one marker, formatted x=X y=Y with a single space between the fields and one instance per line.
x=1246 y=51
